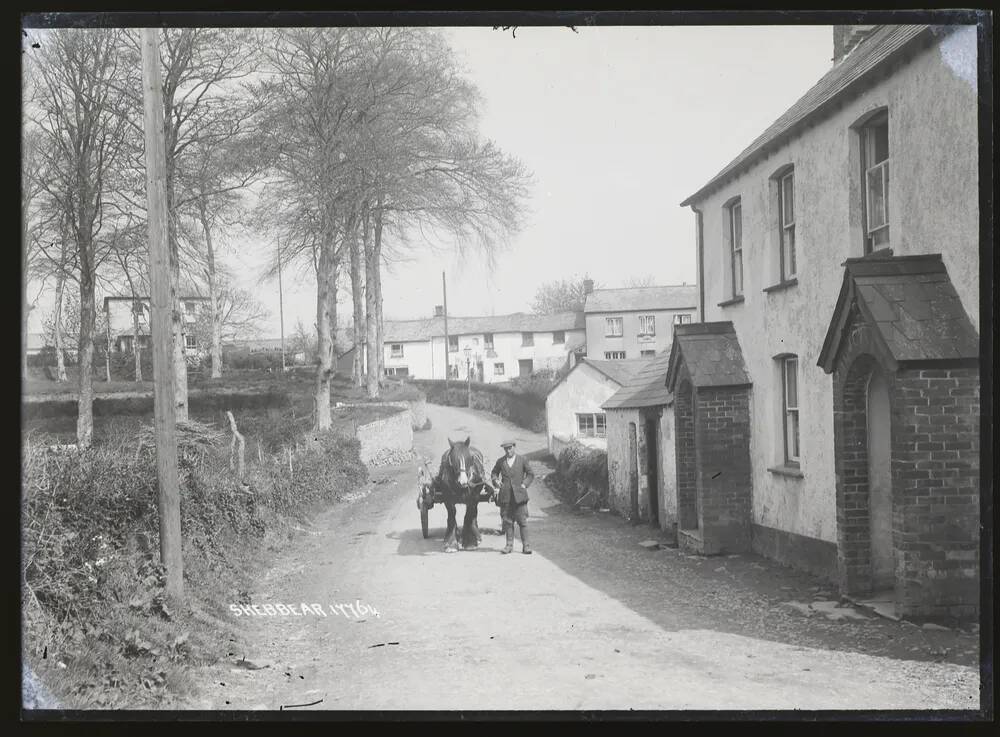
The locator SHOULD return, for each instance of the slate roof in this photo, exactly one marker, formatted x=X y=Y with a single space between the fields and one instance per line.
x=869 y=56
x=911 y=303
x=618 y=371
x=403 y=331
x=675 y=297
x=711 y=352
x=647 y=387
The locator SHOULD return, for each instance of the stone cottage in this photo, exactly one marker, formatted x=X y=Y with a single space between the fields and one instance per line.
x=839 y=272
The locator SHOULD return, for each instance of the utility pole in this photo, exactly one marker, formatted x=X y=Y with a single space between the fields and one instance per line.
x=281 y=309
x=161 y=304
x=447 y=367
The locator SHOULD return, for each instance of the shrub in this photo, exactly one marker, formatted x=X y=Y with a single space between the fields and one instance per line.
x=259 y=361
x=123 y=365
x=578 y=469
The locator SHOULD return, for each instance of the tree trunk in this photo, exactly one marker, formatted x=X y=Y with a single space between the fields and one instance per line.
x=57 y=328
x=213 y=296
x=326 y=315
x=136 y=348
x=25 y=308
x=85 y=350
x=357 y=293
x=177 y=322
x=371 y=310
x=379 y=349
x=107 y=348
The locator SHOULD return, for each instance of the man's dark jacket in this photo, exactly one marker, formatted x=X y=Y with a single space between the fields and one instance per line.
x=512 y=479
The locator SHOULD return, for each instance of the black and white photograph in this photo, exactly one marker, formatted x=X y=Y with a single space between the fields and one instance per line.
x=440 y=365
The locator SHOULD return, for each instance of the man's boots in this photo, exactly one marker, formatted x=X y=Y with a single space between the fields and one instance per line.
x=525 y=541
x=509 y=547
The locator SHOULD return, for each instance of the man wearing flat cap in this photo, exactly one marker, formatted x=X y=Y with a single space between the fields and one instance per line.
x=513 y=476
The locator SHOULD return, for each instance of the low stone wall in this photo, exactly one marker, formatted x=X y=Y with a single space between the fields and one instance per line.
x=416 y=407
x=387 y=439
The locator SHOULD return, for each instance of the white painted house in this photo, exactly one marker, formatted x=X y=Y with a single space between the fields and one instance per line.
x=494 y=349
x=636 y=322
x=573 y=406
x=121 y=330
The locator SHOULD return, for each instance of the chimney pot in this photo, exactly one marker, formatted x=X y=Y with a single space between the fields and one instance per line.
x=588 y=286
x=438 y=310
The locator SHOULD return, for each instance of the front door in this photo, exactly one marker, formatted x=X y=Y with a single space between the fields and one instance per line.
x=652 y=467
x=880 y=483
x=525 y=367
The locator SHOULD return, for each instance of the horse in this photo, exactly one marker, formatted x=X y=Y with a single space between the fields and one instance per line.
x=460 y=479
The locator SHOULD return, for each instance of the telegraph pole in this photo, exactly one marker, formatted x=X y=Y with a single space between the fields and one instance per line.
x=161 y=305
x=444 y=289
x=281 y=309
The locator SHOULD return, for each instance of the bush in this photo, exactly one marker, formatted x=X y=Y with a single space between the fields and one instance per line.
x=259 y=361
x=578 y=469
x=47 y=357
x=123 y=365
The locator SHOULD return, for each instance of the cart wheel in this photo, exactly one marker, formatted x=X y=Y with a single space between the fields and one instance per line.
x=423 y=521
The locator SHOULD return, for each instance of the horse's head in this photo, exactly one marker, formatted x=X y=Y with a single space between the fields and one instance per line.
x=460 y=461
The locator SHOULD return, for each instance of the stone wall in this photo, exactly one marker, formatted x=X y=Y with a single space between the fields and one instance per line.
x=416 y=407
x=386 y=438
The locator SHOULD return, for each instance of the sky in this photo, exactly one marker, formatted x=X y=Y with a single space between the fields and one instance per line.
x=618 y=125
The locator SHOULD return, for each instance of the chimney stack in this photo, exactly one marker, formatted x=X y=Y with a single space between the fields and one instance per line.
x=588 y=286
x=846 y=39
x=438 y=310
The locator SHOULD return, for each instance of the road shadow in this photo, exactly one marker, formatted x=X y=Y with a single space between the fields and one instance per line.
x=745 y=595
x=412 y=542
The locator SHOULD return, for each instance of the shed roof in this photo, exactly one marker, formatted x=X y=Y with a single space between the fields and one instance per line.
x=617 y=371
x=674 y=297
x=867 y=59
x=646 y=387
x=711 y=353
x=402 y=331
x=911 y=303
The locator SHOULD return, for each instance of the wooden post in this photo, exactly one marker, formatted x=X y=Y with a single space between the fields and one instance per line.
x=444 y=289
x=161 y=307
x=281 y=310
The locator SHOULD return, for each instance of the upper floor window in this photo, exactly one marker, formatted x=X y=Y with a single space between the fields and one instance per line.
x=786 y=223
x=614 y=326
x=498 y=369
x=452 y=342
x=488 y=341
x=396 y=350
x=682 y=319
x=527 y=338
x=790 y=406
x=558 y=337
x=190 y=341
x=735 y=215
x=647 y=324
x=875 y=182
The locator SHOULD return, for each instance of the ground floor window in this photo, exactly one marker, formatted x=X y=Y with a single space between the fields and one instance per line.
x=397 y=371
x=190 y=341
x=614 y=355
x=647 y=354
x=498 y=369
x=790 y=406
x=592 y=425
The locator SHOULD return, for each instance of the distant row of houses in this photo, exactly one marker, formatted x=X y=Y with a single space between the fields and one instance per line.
x=825 y=412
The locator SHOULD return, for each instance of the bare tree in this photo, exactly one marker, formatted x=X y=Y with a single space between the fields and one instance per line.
x=561 y=295
x=78 y=107
x=635 y=282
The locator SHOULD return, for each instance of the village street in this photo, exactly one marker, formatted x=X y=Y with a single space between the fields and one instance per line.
x=592 y=620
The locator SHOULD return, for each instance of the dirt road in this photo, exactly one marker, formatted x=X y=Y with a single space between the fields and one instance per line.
x=590 y=621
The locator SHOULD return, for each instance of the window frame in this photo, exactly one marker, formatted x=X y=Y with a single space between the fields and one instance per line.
x=190 y=342
x=679 y=318
x=452 y=346
x=786 y=228
x=614 y=355
x=392 y=350
x=609 y=321
x=866 y=147
x=735 y=245
x=787 y=410
x=488 y=341
x=498 y=368
x=558 y=337
x=647 y=354
x=527 y=339
x=650 y=325
x=597 y=425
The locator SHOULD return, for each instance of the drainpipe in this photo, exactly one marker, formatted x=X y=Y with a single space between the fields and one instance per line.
x=701 y=264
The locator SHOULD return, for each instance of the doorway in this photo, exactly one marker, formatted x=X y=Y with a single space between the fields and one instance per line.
x=880 y=483
x=633 y=471
x=525 y=366
x=652 y=469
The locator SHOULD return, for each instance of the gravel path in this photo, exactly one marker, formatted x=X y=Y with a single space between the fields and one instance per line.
x=591 y=621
